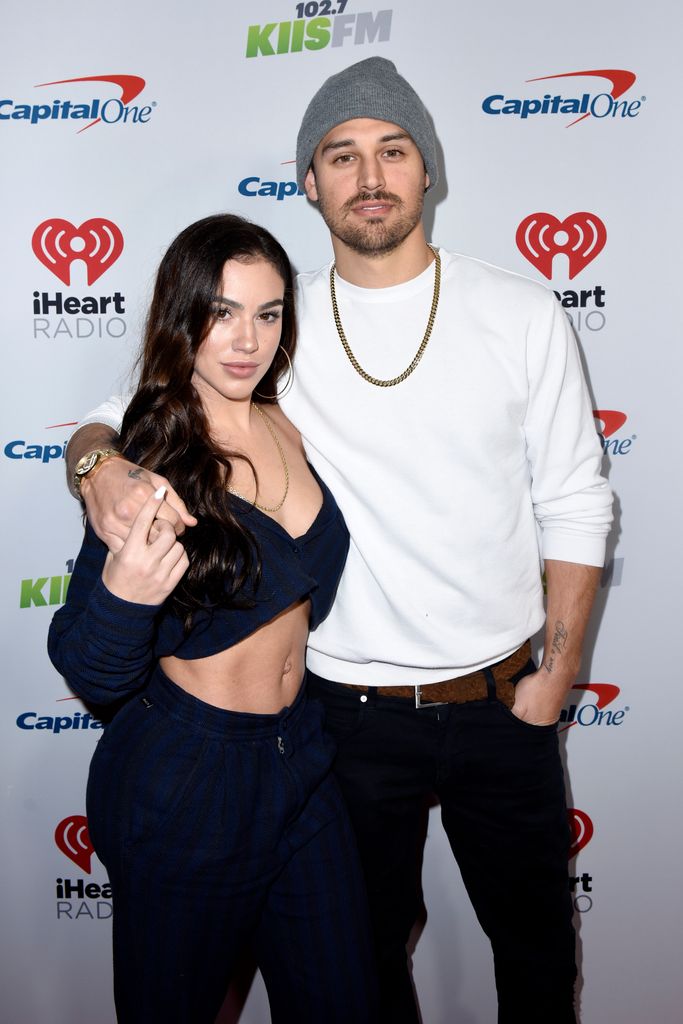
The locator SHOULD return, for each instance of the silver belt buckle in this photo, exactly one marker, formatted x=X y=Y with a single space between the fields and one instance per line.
x=430 y=704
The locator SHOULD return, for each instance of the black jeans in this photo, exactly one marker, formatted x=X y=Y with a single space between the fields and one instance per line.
x=501 y=789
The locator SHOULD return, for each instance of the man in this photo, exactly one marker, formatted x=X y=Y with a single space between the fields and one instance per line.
x=442 y=400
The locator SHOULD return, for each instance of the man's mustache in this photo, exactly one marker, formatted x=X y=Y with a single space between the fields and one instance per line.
x=368 y=197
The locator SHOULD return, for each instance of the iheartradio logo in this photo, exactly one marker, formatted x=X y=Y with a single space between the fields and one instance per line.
x=580 y=236
x=72 y=838
x=581 y=830
x=97 y=242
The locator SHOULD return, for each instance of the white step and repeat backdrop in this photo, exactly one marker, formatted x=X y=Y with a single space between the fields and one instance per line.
x=559 y=136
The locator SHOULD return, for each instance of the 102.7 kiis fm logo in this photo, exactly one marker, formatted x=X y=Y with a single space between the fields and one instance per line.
x=45 y=590
x=61 y=247
x=579 y=238
x=317 y=24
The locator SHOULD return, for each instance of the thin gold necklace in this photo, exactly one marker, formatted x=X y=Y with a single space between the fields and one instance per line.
x=271 y=430
x=423 y=345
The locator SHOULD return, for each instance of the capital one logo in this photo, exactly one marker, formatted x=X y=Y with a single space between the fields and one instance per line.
x=130 y=85
x=602 y=105
x=580 y=237
x=97 y=242
x=72 y=838
x=96 y=110
x=608 y=422
x=620 y=79
x=580 y=829
x=606 y=694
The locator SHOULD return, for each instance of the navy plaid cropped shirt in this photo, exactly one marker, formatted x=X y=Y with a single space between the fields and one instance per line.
x=106 y=647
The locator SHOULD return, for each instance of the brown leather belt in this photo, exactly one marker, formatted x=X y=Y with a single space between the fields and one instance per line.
x=473 y=686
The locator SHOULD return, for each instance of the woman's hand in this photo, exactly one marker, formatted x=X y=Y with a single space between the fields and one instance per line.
x=151 y=561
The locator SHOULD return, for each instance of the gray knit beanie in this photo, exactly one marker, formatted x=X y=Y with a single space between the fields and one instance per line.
x=371 y=88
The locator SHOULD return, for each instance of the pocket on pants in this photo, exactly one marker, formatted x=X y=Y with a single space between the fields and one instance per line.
x=522 y=724
x=343 y=712
x=160 y=798
x=342 y=722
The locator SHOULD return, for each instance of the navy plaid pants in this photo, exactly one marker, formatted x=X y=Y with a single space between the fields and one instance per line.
x=222 y=831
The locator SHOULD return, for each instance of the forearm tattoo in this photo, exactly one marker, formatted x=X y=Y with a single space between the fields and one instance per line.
x=559 y=642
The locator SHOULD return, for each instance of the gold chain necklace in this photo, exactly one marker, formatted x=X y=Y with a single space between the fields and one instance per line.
x=271 y=430
x=423 y=345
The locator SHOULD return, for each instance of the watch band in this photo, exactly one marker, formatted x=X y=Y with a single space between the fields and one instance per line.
x=88 y=462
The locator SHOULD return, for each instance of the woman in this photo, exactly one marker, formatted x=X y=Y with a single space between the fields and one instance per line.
x=210 y=799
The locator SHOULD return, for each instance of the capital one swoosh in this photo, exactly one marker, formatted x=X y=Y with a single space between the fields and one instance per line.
x=610 y=420
x=130 y=86
x=621 y=81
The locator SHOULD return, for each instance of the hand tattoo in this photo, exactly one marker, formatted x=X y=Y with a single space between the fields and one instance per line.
x=136 y=474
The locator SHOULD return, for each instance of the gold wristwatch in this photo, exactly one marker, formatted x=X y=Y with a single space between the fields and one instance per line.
x=87 y=464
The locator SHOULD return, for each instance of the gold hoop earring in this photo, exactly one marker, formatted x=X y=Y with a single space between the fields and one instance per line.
x=287 y=388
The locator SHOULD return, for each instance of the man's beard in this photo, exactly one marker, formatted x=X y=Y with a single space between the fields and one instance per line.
x=373 y=237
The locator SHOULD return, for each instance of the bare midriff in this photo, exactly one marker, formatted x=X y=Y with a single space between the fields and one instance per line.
x=260 y=675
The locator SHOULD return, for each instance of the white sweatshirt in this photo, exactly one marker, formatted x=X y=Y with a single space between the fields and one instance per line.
x=454 y=483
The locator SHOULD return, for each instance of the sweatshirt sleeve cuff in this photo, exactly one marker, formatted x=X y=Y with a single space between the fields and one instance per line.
x=128 y=618
x=570 y=547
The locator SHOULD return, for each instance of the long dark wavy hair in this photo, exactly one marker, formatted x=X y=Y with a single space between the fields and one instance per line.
x=165 y=428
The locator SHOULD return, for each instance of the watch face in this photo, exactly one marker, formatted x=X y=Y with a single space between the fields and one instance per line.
x=88 y=464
